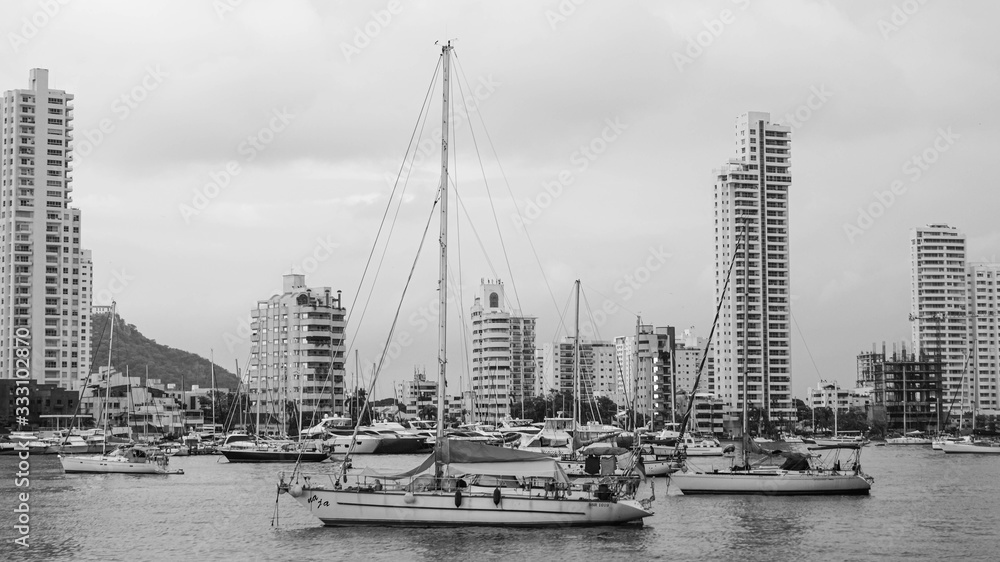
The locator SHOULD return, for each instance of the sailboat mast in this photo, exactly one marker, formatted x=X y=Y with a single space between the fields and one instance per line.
x=211 y=354
x=576 y=363
x=635 y=379
x=443 y=241
x=107 y=388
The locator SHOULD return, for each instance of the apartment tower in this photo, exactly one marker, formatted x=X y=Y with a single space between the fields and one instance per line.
x=45 y=276
x=983 y=281
x=939 y=310
x=503 y=355
x=297 y=355
x=753 y=338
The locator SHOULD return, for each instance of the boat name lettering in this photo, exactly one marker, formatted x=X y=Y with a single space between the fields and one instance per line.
x=319 y=503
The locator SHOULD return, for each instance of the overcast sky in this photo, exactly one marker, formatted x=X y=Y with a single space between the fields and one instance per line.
x=223 y=144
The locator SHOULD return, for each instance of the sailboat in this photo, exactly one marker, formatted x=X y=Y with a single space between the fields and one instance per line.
x=126 y=459
x=463 y=482
x=801 y=473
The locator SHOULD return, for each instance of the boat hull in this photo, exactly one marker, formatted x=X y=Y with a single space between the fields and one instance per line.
x=112 y=465
x=274 y=456
x=340 y=445
x=771 y=483
x=970 y=449
x=445 y=509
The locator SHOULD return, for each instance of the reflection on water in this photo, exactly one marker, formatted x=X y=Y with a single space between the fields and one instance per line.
x=924 y=504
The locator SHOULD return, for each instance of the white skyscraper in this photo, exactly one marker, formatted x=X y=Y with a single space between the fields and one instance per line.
x=984 y=302
x=751 y=190
x=45 y=283
x=503 y=355
x=939 y=308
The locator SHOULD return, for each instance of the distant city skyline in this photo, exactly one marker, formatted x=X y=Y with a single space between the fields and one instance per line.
x=221 y=145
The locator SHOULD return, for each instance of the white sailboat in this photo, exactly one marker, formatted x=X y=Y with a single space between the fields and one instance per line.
x=126 y=459
x=801 y=473
x=463 y=482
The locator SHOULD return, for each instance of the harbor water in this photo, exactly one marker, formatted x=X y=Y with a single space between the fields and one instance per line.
x=924 y=505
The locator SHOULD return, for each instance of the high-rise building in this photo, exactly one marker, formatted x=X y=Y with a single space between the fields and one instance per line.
x=939 y=308
x=597 y=367
x=643 y=370
x=503 y=355
x=753 y=337
x=297 y=355
x=45 y=275
x=983 y=281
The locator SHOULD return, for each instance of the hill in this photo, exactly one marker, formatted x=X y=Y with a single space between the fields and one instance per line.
x=137 y=352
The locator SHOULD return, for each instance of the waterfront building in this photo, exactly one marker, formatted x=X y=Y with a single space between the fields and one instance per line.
x=297 y=355
x=906 y=392
x=503 y=354
x=751 y=196
x=45 y=275
x=45 y=401
x=597 y=368
x=644 y=371
x=134 y=407
x=939 y=308
x=983 y=282
x=419 y=394
x=828 y=394
x=688 y=355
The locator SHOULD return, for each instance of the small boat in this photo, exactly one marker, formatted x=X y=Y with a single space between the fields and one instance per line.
x=841 y=438
x=972 y=448
x=911 y=438
x=128 y=459
x=266 y=451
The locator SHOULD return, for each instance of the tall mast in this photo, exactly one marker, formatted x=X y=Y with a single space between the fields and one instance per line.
x=443 y=241
x=576 y=364
x=211 y=354
x=107 y=388
x=635 y=379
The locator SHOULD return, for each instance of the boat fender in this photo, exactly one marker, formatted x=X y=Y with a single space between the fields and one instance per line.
x=496 y=496
x=408 y=497
x=295 y=491
x=458 y=498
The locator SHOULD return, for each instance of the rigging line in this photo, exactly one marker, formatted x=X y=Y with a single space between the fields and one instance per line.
x=590 y=315
x=418 y=128
x=561 y=327
x=472 y=225
x=86 y=381
x=711 y=334
x=531 y=244
x=486 y=183
x=806 y=345
x=617 y=303
x=392 y=328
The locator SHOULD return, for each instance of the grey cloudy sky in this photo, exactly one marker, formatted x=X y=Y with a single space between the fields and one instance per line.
x=299 y=111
